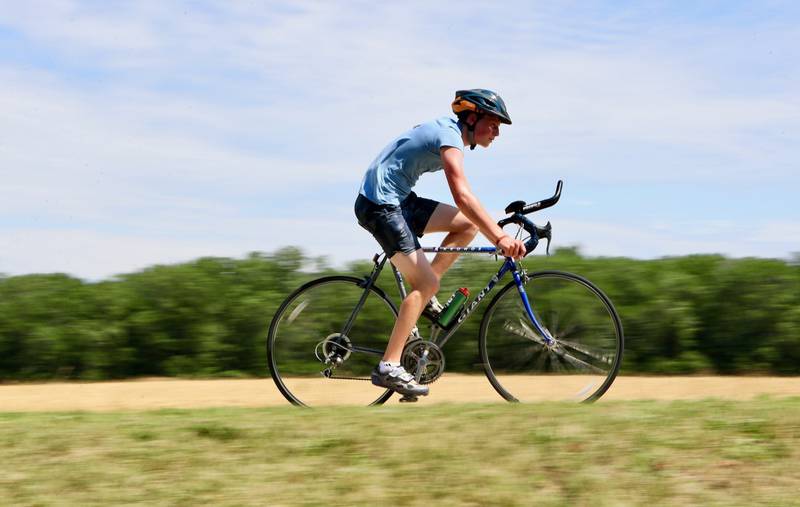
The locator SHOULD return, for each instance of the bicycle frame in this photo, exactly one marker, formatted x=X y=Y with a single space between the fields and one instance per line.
x=509 y=265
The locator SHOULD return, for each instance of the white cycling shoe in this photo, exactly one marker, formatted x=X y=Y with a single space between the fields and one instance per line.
x=399 y=380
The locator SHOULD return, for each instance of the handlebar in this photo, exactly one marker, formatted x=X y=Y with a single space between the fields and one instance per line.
x=546 y=203
x=519 y=209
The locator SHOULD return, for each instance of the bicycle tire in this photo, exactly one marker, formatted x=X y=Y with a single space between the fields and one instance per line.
x=584 y=322
x=303 y=325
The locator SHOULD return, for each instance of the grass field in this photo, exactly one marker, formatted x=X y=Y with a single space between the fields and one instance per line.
x=615 y=453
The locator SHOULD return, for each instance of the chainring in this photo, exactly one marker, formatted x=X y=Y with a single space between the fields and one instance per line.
x=414 y=355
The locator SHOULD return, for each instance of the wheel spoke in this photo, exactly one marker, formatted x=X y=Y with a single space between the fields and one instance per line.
x=297 y=311
x=312 y=319
x=522 y=329
x=554 y=322
x=556 y=360
x=569 y=331
x=583 y=349
x=577 y=362
x=524 y=365
x=541 y=360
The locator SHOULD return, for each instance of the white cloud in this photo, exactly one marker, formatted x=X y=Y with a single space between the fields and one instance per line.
x=100 y=254
x=647 y=241
x=162 y=120
x=73 y=26
x=96 y=255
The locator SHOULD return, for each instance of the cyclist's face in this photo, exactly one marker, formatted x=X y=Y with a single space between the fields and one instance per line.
x=486 y=130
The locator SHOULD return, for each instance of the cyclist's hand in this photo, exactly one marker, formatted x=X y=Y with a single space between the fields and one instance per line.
x=511 y=247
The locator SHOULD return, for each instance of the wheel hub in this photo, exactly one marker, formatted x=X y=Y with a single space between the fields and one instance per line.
x=336 y=349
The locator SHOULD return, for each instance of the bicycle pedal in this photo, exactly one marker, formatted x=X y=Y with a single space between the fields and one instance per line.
x=409 y=399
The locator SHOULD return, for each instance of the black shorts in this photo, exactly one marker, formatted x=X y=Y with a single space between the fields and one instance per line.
x=396 y=228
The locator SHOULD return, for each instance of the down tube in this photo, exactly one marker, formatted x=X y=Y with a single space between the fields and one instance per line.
x=508 y=265
x=522 y=294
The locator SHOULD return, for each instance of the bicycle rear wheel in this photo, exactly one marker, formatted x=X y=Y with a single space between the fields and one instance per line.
x=587 y=352
x=308 y=336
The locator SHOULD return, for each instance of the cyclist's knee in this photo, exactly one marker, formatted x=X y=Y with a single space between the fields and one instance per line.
x=434 y=286
x=471 y=229
x=428 y=286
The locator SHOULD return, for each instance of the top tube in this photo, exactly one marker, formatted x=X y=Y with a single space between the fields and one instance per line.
x=460 y=249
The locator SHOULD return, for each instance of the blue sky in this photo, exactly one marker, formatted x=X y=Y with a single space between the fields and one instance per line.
x=136 y=133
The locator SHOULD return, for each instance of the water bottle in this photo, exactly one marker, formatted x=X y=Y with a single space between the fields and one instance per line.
x=453 y=306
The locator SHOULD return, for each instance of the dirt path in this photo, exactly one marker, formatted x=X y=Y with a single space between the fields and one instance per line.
x=171 y=393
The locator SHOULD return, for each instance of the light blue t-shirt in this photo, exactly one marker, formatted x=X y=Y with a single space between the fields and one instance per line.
x=394 y=172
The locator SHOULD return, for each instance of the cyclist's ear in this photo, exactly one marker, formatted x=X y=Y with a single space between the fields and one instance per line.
x=471 y=119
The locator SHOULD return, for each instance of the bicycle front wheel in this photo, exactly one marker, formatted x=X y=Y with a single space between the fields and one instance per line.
x=579 y=365
x=316 y=357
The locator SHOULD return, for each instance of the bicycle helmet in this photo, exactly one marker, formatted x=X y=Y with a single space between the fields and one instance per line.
x=481 y=102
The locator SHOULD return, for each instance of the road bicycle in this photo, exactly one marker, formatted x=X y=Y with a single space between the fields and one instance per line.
x=547 y=334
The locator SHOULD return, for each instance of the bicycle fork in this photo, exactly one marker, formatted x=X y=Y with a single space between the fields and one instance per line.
x=519 y=281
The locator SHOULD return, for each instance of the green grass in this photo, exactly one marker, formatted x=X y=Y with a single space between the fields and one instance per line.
x=615 y=453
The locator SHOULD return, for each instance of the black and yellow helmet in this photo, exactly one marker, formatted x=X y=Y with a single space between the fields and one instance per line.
x=481 y=101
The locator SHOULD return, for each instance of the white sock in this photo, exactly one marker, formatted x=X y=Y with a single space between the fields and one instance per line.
x=386 y=366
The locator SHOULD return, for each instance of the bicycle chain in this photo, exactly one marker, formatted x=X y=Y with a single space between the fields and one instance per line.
x=436 y=374
x=330 y=376
x=350 y=378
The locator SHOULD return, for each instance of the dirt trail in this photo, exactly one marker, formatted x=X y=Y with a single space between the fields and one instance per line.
x=151 y=394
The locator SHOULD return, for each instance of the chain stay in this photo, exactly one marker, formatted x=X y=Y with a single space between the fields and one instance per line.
x=328 y=373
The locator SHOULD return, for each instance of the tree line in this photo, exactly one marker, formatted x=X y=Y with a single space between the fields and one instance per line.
x=209 y=317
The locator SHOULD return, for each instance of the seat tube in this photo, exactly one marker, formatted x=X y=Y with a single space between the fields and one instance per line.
x=543 y=332
x=401 y=286
x=369 y=281
x=398 y=276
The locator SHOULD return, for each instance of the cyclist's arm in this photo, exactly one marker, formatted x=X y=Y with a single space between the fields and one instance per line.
x=467 y=203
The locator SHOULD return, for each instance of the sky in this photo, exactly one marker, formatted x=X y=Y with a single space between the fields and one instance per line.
x=150 y=132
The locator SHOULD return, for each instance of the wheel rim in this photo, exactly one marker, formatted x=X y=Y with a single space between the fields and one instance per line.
x=582 y=362
x=308 y=327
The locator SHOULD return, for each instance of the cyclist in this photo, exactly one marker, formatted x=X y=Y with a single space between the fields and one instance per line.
x=396 y=216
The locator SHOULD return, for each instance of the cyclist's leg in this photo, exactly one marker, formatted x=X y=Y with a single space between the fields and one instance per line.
x=461 y=232
x=390 y=226
x=417 y=271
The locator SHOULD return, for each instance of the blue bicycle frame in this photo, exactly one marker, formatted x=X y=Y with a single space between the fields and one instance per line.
x=518 y=209
x=509 y=265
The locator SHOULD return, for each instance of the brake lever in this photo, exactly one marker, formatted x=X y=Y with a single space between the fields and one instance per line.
x=546 y=233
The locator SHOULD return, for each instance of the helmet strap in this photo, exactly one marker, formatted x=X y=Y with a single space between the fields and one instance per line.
x=471 y=131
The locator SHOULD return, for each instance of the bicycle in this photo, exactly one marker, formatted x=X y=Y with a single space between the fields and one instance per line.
x=328 y=334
